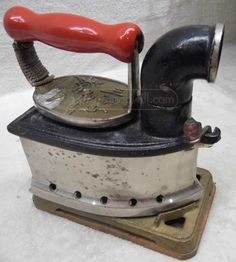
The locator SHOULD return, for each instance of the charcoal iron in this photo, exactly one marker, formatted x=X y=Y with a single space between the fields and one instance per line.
x=109 y=155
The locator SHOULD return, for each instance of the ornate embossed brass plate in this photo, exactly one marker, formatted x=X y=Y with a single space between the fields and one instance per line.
x=84 y=100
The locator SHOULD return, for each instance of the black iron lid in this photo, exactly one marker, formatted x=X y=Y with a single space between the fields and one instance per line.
x=126 y=140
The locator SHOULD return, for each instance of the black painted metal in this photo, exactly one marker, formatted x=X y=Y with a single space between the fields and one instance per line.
x=210 y=137
x=127 y=140
x=167 y=75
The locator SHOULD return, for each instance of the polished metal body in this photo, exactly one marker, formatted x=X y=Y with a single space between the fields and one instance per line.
x=113 y=186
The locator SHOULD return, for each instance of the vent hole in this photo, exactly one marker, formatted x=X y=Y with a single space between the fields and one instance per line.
x=177 y=222
x=103 y=200
x=159 y=198
x=198 y=177
x=77 y=194
x=132 y=202
x=52 y=187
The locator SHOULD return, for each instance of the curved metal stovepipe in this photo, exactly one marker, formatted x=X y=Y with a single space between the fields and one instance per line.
x=168 y=71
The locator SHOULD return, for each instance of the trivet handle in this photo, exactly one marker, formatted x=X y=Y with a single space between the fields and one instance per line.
x=74 y=33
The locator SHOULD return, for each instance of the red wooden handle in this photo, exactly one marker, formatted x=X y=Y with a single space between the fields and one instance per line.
x=73 y=33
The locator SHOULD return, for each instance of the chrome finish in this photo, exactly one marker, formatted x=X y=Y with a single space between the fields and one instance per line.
x=115 y=208
x=88 y=101
x=120 y=179
x=133 y=81
x=216 y=52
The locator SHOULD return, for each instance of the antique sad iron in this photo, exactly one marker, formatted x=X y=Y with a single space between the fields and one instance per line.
x=106 y=155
